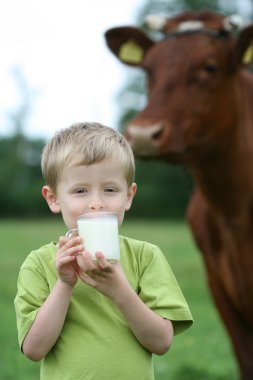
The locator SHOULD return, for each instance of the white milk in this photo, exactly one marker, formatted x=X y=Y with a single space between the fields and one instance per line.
x=99 y=232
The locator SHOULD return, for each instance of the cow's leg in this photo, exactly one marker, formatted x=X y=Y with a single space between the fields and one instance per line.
x=208 y=238
x=240 y=333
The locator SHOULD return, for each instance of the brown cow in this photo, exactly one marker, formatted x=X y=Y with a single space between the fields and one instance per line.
x=200 y=113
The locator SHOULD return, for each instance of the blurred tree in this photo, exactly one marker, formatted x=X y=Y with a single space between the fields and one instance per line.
x=20 y=174
x=20 y=177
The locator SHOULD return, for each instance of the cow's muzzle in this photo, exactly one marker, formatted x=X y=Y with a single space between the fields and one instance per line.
x=144 y=140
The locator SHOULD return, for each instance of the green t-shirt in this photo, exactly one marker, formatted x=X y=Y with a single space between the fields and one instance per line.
x=96 y=342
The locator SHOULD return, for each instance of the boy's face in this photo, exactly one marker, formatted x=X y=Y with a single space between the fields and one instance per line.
x=98 y=187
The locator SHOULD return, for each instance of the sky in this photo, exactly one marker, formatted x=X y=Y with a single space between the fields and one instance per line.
x=58 y=49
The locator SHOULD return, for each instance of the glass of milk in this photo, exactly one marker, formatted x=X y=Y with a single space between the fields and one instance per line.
x=99 y=232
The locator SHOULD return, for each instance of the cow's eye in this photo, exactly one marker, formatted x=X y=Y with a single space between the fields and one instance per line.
x=211 y=68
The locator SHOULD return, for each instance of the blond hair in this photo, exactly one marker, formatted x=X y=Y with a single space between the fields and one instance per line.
x=85 y=144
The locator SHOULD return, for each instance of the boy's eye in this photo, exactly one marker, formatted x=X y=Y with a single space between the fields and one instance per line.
x=110 y=190
x=81 y=191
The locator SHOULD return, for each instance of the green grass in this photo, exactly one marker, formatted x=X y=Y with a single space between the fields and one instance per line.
x=201 y=353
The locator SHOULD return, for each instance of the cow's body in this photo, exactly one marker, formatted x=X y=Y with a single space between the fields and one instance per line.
x=200 y=113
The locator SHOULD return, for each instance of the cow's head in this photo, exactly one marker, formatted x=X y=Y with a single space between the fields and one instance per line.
x=192 y=82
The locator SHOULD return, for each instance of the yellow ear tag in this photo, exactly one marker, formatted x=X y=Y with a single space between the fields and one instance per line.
x=131 y=52
x=248 y=56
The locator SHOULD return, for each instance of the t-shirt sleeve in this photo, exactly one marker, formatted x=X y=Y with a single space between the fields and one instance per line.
x=159 y=290
x=32 y=292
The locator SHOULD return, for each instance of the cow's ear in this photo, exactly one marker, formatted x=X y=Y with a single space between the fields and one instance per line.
x=244 y=47
x=128 y=44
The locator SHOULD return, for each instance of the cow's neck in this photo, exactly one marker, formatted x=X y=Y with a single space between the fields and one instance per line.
x=221 y=180
x=225 y=174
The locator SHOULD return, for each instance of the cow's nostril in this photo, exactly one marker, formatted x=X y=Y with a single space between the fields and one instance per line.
x=156 y=135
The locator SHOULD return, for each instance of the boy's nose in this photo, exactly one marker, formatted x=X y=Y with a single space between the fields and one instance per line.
x=96 y=205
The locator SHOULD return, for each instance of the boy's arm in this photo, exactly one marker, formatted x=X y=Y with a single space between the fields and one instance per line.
x=48 y=323
x=151 y=330
x=50 y=318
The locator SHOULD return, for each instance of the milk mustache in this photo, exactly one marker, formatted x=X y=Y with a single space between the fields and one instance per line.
x=99 y=231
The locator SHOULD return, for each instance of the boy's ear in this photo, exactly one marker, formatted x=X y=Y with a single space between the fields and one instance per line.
x=130 y=195
x=51 y=199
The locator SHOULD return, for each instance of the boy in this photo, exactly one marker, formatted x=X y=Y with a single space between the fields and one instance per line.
x=95 y=320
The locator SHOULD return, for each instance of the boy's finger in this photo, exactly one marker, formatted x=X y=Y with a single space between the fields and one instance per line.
x=85 y=262
x=66 y=260
x=87 y=279
x=66 y=243
x=102 y=262
x=62 y=241
x=73 y=241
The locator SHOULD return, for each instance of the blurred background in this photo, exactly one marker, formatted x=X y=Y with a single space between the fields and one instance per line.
x=55 y=69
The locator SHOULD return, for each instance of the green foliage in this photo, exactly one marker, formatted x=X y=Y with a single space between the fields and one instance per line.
x=203 y=352
x=20 y=177
x=175 y=6
x=163 y=190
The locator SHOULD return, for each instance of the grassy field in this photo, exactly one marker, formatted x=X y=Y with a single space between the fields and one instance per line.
x=201 y=353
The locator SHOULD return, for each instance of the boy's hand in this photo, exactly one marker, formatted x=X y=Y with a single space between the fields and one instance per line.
x=107 y=278
x=66 y=265
x=150 y=329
